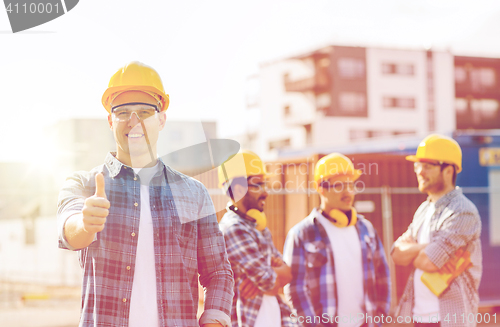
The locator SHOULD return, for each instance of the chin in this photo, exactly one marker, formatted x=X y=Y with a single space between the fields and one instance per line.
x=422 y=189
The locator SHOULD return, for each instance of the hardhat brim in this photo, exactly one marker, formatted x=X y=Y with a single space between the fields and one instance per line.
x=355 y=175
x=114 y=89
x=266 y=176
x=412 y=158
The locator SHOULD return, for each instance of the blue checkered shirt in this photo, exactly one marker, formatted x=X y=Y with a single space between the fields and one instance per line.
x=455 y=224
x=249 y=252
x=187 y=242
x=313 y=290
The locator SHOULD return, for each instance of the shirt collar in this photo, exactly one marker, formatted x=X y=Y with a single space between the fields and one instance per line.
x=241 y=219
x=446 y=199
x=114 y=165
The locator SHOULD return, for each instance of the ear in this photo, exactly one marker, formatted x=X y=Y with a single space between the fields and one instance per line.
x=239 y=192
x=110 y=122
x=163 y=118
x=449 y=171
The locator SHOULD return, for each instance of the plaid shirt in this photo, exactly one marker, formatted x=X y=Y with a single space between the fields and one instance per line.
x=249 y=252
x=313 y=290
x=455 y=224
x=187 y=241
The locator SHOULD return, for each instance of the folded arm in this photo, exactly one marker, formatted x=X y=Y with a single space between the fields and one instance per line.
x=405 y=251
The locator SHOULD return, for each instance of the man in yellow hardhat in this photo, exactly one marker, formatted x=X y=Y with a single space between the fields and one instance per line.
x=258 y=267
x=144 y=231
x=340 y=273
x=445 y=223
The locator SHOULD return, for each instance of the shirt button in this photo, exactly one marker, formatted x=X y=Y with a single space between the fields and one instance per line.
x=124 y=300
x=136 y=204
x=133 y=234
x=128 y=267
x=135 y=178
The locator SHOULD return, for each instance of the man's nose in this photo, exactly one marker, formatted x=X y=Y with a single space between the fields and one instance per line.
x=419 y=171
x=133 y=119
x=265 y=192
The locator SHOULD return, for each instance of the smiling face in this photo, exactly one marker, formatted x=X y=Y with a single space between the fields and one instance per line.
x=430 y=177
x=130 y=137
x=337 y=193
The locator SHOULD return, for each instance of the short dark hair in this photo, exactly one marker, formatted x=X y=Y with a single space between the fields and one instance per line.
x=454 y=177
x=236 y=181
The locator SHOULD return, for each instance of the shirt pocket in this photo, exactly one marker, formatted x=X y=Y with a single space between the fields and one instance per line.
x=186 y=232
x=315 y=254
x=187 y=238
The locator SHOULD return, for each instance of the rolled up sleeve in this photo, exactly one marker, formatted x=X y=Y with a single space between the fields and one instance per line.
x=457 y=231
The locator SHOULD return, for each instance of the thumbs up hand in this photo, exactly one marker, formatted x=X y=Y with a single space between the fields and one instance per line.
x=96 y=208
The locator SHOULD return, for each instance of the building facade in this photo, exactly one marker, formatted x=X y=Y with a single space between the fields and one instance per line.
x=340 y=95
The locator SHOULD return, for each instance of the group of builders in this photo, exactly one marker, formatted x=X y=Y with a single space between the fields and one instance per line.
x=146 y=234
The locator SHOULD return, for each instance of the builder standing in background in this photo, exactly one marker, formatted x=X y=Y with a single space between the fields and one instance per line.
x=259 y=270
x=444 y=224
x=144 y=231
x=340 y=273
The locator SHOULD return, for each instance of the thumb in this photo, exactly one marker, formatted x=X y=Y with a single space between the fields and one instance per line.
x=99 y=186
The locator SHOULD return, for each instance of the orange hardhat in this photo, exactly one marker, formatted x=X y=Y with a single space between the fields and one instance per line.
x=439 y=148
x=135 y=76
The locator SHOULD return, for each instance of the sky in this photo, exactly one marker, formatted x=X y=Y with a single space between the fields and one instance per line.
x=204 y=51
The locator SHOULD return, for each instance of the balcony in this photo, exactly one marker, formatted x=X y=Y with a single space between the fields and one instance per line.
x=310 y=84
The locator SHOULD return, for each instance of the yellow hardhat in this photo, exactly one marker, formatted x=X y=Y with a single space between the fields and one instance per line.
x=135 y=76
x=439 y=148
x=243 y=164
x=334 y=164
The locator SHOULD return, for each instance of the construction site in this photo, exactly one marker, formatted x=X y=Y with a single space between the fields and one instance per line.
x=374 y=104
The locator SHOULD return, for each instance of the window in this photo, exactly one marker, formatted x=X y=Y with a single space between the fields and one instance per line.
x=324 y=62
x=398 y=69
x=398 y=102
x=405 y=69
x=323 y=100
x=286 y=111
x=406 y=103
x=380 y=133
x=388 y=68
x=359 y=134
x=460 y=75
x=485 y=108
x=279 y=144
x=460 y=105
x=483 y=78
x=352 y=102
x=351 y=67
